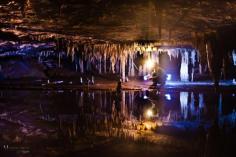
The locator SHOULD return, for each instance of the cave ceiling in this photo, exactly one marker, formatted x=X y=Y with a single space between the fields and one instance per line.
x=117 y=20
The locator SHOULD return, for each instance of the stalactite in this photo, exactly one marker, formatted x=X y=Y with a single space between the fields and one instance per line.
x=131 y=64
x=117 y=66
x=123 y=68
x=72 y=52
x=199 y=60
x=193 y=62
x=120 y=56
x=209 y=56
x=105 y=62
x=132 y=67
x=171 y=52
x=100 y=64
x=184 y=66
x=193 y=57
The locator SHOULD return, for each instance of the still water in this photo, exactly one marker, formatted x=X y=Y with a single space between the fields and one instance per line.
x=179 y=108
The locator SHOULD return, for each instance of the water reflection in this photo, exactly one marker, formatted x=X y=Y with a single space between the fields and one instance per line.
x=172 y=106
x=75 y=114
x=184 y=104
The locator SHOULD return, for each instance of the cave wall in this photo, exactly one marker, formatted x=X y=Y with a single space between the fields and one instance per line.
x=219 y=47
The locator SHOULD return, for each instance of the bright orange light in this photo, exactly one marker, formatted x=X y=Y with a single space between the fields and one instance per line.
x=150 y=63
x=149 y=113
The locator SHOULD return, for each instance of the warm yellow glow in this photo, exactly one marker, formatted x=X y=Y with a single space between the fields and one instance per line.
x=150 y=63
x=148 y=49
x=149 y=125
x=149 y=113
x=154 y=49
x=159 y=123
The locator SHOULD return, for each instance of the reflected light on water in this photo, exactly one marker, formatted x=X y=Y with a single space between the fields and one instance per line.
x=184 y=104
x=201 y=101
x=149 y=113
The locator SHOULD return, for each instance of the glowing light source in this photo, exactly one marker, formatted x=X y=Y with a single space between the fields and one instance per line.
x=168 y=78
x=146 y=77
x=154 y=49
x=145 y=97
x=149 y=64
x=149 y=49
x=234 y=82
x=149 y=113
x=168 y=97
